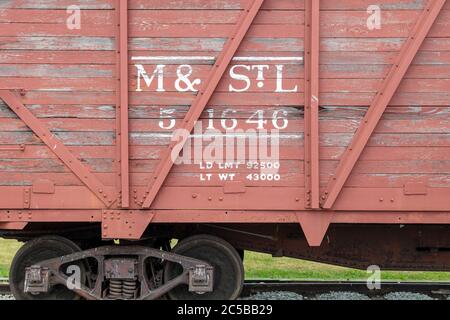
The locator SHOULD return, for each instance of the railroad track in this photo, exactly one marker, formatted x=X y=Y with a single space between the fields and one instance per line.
x=436 y=290
x=308 y=289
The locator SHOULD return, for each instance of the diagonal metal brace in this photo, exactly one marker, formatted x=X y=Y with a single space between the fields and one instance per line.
x=203 y=97
x=381 y=101
x=58 y=148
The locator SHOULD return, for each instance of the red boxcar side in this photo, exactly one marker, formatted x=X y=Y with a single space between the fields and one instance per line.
x=92 y=95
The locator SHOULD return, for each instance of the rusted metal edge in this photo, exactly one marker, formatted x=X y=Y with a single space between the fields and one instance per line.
x=131 y=224
x=220 y=216
x=312 y=54
x=58 y=148
x=203 y=97
x=122 y=103
x=381 y=101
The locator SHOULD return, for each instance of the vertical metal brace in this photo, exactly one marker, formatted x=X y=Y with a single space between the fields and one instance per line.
x=312 y=90
x=122 y=103
x=381 y=101
x=203 y=97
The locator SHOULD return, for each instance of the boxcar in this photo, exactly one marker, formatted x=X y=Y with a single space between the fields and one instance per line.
x=300 y=128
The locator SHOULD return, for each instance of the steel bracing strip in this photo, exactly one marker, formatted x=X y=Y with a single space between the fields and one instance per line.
x=312 y=54
x=122 y=103
x=203 y=97
x=58 y=148
x=381 y=101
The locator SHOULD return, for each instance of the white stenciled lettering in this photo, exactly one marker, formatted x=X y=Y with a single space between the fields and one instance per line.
x=142 y=74
x=227 y=176
x=225 y=120
x=165 y=116
x=257 y=118
x=183 y=83
x=240 y=77
x=243 y=77
x=260 y=77
x=280 y=69
x=280 y=122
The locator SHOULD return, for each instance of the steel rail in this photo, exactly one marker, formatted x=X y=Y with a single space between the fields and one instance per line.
x=311 y=288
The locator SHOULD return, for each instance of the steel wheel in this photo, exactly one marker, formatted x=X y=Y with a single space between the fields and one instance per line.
x=37 y=250
x=228 y=268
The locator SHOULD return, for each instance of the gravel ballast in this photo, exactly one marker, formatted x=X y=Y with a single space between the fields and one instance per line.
x=341 y=296
x=276 y=295
x=292 y=296
x=406 y=296
x=335 y=296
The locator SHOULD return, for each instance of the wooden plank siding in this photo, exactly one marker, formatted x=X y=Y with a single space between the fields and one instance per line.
x=68 y=80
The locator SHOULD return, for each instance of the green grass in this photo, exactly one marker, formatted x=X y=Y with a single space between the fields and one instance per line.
x=262 y=266
x=8 y=248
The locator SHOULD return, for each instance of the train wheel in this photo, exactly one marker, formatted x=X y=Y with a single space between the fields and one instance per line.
x=37 y=250
x=228 y=268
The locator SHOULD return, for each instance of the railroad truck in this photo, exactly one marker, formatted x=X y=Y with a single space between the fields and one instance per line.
x=145 y=145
